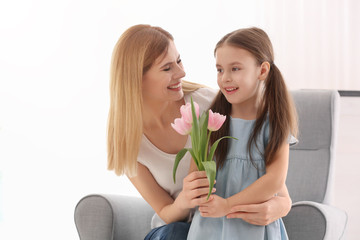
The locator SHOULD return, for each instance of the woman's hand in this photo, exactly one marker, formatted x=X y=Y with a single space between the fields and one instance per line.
x=263 y=213
x=195 y=190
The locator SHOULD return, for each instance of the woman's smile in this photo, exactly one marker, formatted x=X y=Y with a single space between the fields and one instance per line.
x=175 y=87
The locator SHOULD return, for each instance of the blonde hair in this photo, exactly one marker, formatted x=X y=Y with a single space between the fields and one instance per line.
x=133 y=55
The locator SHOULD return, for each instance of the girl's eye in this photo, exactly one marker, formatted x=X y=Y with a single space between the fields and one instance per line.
x=219 y=70
x=235 y=69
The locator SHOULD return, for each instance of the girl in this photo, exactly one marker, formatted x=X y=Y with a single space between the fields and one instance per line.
x=146 y=92
x=261 y=115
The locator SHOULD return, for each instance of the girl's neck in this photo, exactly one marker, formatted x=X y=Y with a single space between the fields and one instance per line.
x=244 y=111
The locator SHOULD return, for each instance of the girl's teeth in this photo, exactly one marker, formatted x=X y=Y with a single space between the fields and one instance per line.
x=230 y=89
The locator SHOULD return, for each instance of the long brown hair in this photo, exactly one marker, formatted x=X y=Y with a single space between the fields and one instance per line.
x=133 y=55
x=275 y=102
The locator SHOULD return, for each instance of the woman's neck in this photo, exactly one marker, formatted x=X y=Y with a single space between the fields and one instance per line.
x=160 y=114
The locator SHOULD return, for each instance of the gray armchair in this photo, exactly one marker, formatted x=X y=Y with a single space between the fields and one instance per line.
x=111 y=217
x=311 y=168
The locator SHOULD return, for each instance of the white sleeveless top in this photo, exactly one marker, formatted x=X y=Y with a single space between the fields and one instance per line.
x=160 y=163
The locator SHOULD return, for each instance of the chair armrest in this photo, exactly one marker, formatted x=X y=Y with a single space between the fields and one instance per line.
x=110 y=217
x=312 y=220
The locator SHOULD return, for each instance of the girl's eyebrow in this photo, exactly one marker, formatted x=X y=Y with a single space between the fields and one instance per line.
x=231 y=64
x=236 y=63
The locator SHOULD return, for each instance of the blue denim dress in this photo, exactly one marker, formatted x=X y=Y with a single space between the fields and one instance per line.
x=238 y=173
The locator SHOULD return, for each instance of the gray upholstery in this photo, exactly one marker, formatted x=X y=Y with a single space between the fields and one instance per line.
x=111 y=217
x=311 y=167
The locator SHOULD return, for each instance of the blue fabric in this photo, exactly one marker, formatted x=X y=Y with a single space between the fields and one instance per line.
x=173 y=231
x=238 y=173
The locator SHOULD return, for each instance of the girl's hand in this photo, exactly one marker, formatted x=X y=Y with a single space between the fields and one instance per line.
x=215 y=207
x=195 y=190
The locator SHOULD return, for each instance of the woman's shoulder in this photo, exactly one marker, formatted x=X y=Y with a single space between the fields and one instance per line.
x=203 y=96
x=207 y=91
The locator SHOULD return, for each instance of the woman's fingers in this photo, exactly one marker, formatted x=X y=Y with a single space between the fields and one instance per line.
x=258 y=214
x=196 y=188
x=195 y=175
x=202 y=200
x=250 y=208
x=199 y=194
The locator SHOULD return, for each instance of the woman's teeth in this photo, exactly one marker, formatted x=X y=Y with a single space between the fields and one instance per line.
x=175 y=86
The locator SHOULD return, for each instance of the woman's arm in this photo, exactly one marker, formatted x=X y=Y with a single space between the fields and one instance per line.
x=168 y=209
x=266 y=212
x=262 y=190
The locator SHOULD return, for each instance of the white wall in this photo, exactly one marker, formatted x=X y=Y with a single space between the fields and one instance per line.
x=346 y=177
x=54 y=64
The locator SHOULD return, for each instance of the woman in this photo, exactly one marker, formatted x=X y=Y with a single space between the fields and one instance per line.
x=146 y=92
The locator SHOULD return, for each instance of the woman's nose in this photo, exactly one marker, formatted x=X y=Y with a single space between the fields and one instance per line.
x=180 y=73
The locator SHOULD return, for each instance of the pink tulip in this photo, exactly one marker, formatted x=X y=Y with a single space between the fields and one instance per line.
x=181 y=126
x=186 y=113
x=216 y=120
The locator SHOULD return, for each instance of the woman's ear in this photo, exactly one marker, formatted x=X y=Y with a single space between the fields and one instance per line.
x=264 y=70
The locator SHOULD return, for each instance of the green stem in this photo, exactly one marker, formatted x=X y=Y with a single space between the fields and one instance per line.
x=207 y=146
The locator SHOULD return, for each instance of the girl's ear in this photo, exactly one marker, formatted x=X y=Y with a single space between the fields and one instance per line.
x=264 y=70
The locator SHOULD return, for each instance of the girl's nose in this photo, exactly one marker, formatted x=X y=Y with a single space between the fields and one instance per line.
x=226 y=77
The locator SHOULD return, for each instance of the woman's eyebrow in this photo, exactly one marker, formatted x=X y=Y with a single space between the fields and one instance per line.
x=170 y=62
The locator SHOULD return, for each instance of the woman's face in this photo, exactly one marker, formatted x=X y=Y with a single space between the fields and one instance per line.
x=162 y=82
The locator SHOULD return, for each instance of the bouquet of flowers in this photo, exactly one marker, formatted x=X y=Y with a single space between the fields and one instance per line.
x=200 y=130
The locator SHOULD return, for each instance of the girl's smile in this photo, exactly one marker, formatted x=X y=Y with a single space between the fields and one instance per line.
x=231 y=90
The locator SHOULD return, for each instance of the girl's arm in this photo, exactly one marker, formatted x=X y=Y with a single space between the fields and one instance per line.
x=169 y=209
x=263 y=189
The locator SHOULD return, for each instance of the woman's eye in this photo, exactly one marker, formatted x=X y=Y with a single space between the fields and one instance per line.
x=167 y=69
x=219 y=70
x=179 y=61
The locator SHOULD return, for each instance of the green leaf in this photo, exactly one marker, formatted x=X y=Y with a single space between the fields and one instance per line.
x=196 y=160
x=214 y=146
x=210 y=169
x=178 y=157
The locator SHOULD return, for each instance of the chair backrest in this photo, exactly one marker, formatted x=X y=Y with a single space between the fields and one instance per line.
x=312 y=159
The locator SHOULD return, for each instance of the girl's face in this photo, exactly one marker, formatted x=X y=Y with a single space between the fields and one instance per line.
x=162 y=82
x=239 y=76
